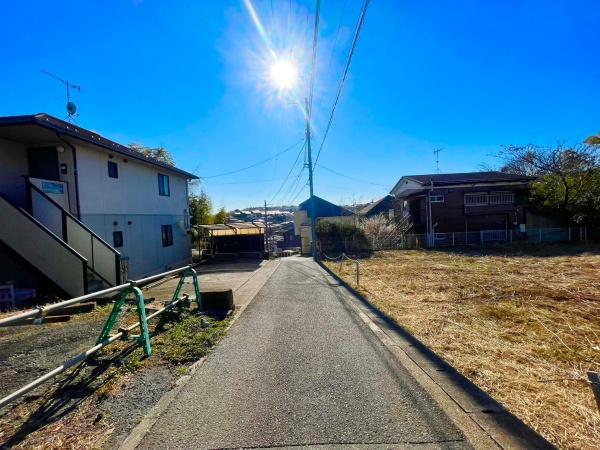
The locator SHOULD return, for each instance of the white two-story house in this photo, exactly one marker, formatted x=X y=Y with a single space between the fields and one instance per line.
x=79 y=212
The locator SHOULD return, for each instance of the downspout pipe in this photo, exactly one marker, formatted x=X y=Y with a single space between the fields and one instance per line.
x=75 y=174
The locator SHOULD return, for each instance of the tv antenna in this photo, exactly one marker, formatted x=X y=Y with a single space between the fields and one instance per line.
x=436 y=152
x=71 y=107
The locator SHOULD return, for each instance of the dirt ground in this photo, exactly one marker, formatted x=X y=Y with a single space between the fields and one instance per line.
x=521 y=323
x=97 y=404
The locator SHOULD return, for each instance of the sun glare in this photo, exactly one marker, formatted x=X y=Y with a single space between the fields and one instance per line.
x=284 y=74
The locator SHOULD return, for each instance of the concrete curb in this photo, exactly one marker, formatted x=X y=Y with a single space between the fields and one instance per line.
x=484 y=421
x=137 y=434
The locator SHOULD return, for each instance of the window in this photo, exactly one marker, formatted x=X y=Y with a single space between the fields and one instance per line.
x=117 y=239
x=502 y=198
x=163 y=185
x=436 y=199
x=166 y=232
x=476 y=199
x=440 y=236
x=113 y=169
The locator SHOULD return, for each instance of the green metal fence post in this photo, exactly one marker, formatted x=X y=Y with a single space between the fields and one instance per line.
x=196 y=288
x=178 y=288
x=144 y=338
x=114 y=315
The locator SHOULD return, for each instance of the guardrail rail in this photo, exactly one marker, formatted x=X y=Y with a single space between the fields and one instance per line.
x=105 y=338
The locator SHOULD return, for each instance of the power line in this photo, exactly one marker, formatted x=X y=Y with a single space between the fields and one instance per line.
x=292 y=190
x=358 y=180
x=359 y=25
x=337 y=34
x=289 y=173
x=299 y=192
x=255 y=164
x=313 y=70
x=247 y=182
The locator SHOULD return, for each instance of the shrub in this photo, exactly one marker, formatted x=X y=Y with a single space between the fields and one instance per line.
x=337 y=238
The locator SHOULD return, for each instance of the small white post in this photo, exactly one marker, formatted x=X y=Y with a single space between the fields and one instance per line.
x=357 y=273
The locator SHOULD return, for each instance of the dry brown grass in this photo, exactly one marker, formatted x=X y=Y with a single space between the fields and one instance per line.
x=522 y=325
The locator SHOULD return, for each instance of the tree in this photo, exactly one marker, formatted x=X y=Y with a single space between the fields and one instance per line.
x=221 y=216
x=568 y=183
x=593 y=140
x=380 y=227
x=200 y=209
x=159 y=153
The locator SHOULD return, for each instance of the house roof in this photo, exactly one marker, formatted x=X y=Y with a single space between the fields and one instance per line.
x=467 y=177
x=447 y=179
x=324 y=208
x=368 y=208
x=69 y=130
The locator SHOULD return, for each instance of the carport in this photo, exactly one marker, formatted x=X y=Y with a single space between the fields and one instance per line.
x=234 y=238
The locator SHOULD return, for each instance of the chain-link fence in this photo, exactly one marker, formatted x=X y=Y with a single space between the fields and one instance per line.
x=482 y=238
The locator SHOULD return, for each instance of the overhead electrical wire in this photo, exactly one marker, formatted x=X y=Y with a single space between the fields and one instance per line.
x=359 y=25
x=255 y=164
x=299 y=192
x=358 y=180
x=337 y=34
x=289 y=173
x=313 y=70
x=292 y=189
x=247 y=182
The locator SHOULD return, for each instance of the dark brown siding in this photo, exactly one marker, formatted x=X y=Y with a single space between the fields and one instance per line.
x=453 y=216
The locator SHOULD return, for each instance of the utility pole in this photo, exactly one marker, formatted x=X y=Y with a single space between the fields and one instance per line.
x=266 y=229
x=313 y=219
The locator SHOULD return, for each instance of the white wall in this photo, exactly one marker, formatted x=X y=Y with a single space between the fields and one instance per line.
x=406 y=186
x=131 y=204
x=134 y=192
x=13 y=166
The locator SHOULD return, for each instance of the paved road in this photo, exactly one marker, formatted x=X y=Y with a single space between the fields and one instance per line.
x=300 y=369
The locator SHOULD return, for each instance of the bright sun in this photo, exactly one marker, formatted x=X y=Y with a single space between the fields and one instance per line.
x=284 y=74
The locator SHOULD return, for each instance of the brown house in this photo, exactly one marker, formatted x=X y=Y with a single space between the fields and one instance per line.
x=463 y=202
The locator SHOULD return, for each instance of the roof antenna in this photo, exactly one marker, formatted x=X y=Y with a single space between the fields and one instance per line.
x=436 y=152
x=71 y=107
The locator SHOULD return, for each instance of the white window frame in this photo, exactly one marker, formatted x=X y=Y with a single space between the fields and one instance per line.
x=482 y=199
x=436 y=198
x=502 y=198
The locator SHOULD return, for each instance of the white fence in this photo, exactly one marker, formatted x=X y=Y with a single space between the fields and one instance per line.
x=480 y=238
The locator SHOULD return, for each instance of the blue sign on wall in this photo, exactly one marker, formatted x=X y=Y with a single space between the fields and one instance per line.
x=52 y=188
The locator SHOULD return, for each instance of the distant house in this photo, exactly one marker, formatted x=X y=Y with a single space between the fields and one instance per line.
x=385 y=205
x=324 y=210
x=79 y=212
x=463 y=202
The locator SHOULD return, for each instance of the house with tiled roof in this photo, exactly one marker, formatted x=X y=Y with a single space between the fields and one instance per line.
x=463 y=202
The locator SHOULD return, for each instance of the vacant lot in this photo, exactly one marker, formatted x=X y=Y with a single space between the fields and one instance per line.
x=523 y=324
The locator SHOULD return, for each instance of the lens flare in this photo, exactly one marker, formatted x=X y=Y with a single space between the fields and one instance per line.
x=284 y=74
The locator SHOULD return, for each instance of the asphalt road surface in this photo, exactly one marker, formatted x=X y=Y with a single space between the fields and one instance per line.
x=300 y=369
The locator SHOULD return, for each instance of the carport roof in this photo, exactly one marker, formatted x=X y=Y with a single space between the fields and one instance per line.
x=69 y=130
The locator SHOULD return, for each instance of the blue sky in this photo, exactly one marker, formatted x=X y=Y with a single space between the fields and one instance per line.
x=466 y=76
